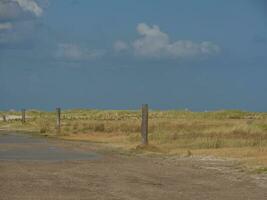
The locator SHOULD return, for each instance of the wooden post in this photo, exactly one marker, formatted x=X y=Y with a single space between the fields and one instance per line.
x=144 y=125
x=23 y=115
x=4 y=118
x=58 y=118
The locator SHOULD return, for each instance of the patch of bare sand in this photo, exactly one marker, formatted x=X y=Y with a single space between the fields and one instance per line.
x=117 y=176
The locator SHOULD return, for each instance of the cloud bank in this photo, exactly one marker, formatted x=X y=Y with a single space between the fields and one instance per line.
x=154 y=43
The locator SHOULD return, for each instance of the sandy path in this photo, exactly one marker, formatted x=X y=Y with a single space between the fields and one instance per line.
x=115 y=176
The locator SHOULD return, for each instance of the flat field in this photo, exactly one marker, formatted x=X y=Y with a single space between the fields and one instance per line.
x=225 y=134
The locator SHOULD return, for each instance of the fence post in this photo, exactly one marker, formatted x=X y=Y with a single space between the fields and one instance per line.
x=144 y=125
x=4 y=118
x=58 y=118
x=23 y=115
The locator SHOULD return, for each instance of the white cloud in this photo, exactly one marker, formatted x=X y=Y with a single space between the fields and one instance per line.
x=14 y=15
x=31 y=6
x=154 y=43
x=15 y=9
x=5 y=26
x=120 y=46
x=74 y=52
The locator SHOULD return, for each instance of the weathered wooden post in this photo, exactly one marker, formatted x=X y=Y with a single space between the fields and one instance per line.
x=58 y=118
x=144 y=125
x=23 y=115
x=4 y=118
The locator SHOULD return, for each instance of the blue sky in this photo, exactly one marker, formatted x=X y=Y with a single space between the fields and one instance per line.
x=174 y=54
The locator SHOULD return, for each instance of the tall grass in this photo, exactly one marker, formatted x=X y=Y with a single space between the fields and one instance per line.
x=180 y=129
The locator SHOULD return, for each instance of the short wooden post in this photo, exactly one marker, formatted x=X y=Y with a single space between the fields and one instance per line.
x=144 y=125
x=4 y=118
x=58 y=118
x=23 y=115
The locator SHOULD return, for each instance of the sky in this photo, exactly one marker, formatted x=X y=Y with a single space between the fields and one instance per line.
x=171 y=54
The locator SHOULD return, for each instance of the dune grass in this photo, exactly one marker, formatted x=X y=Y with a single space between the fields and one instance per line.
x=222 y=133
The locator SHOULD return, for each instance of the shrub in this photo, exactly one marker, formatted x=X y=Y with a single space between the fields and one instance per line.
x=100 y=127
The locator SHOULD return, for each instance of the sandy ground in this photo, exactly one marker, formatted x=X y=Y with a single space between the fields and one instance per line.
x=111 y=175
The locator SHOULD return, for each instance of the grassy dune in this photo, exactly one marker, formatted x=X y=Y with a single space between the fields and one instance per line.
x=223 y=133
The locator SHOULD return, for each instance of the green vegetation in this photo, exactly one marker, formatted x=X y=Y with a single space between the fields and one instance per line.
x=223 y=133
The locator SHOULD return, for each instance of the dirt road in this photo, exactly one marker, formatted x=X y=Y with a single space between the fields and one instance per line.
x=92 y=173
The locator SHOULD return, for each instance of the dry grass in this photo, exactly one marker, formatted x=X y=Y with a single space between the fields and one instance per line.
x=222 y=133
